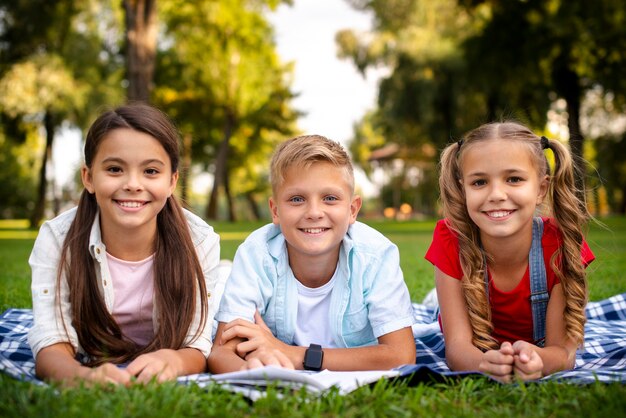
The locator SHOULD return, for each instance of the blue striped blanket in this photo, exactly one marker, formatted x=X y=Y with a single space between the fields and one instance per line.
x=603 y=357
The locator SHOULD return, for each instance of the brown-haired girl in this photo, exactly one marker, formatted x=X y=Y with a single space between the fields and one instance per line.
x=511 y=285
x=120 y=282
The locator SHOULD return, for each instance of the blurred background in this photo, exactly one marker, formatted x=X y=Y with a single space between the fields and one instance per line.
x=392 y=80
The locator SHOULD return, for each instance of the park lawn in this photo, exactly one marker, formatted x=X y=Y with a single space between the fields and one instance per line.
x=471 y=397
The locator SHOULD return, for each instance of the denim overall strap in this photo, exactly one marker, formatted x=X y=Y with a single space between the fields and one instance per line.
x=538 y=284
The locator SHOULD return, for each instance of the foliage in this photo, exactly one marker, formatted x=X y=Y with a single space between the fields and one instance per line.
x=55 y=72
x=221 y=79
x=18 y=185
x=456 y=64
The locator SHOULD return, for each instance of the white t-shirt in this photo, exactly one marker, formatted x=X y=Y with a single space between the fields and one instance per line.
x=133 y=287
x=312 y=321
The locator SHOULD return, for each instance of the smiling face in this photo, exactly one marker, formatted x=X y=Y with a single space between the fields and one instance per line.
x=502 y=188
x=131 y=177
x=314 y=207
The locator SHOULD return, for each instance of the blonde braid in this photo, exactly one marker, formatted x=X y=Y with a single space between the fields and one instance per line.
x=470 y=254
x=570 y=215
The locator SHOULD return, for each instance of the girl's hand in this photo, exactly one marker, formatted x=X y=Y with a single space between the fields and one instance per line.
x=105 y=373
x=528 y=363
x=164 y=364
x=499 y=363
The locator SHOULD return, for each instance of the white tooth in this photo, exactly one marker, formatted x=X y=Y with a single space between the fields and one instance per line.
x=130 y=204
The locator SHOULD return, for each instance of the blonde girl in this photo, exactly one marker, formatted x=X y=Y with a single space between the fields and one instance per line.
x=120 y=283
x=511 y=285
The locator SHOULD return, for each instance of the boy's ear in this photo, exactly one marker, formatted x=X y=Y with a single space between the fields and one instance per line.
x=274 y=211
x=85 y=176
x=544 y=185
x=355 y=207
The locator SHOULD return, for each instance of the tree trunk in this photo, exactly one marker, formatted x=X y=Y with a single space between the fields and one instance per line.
x=254 y=206
x=567 y=83
x=185 y=169
x=221 y=166
x=38 y=212
x=141 y=34
x=232 y=217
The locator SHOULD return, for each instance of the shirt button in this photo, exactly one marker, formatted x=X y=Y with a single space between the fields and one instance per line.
x=45 y=291
x=105 y=282
x=208 y=295
x=97 y=250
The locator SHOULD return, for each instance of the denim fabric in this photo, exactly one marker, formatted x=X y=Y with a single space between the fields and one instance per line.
x=539 y=295
x=369 y=298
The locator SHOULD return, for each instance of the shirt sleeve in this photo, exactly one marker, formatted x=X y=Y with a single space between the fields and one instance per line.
x=388 y=299
x=443 y=252
x=48 y=327
x=242 y=293
x=587 y=255
x=208 y=252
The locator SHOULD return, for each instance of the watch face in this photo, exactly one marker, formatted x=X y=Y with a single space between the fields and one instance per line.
x=313 y=358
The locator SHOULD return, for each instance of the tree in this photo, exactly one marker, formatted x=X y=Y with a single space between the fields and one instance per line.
x=44 y=80
x=456 y=64
x=564 y=47
x=222 y=81
x=141 y=41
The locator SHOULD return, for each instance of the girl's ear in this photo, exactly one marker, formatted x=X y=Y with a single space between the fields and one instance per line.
x=544 y=185
x=85 y=175
x=173 y=182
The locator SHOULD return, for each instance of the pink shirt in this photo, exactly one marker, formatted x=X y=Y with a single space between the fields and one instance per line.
x=133 y=288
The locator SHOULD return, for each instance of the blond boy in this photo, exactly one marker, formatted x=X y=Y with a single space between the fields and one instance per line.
x=315 y=289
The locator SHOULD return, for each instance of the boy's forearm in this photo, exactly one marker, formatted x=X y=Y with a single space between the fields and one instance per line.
x=223 y=360
x=393 y=350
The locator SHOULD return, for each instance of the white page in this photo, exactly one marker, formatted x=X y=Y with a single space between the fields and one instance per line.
x=315 y=381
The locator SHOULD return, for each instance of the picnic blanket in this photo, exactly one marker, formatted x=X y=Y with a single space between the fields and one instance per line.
x=603 y=357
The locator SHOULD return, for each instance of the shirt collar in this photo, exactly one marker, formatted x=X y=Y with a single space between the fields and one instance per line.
x=96 y=246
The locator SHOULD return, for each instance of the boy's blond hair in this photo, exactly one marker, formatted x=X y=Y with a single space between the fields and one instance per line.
x=302 y=151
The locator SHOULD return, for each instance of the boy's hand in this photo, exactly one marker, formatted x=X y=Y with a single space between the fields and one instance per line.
x=258 y=337
x=528 y=363
x=499 y=363
x=263 y=357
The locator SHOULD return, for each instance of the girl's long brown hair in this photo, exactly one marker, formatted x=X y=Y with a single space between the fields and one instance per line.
x=178 y=278
x=570 y=216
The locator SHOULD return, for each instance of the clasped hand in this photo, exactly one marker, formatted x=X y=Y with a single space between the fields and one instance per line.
x=519 y=360
x=162 y=365
x=260 y=347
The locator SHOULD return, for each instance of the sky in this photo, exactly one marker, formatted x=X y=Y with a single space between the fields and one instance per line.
x=331 y=92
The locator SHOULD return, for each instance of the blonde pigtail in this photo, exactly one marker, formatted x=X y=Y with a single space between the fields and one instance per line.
x=470 y=254
x=570 y=215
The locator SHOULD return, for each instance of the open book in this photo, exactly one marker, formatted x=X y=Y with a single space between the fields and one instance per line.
x=253 y=383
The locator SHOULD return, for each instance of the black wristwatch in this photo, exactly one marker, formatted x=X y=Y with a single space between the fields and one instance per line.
x=313 y=357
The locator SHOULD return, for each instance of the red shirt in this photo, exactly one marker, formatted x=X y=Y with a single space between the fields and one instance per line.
x=511 y=312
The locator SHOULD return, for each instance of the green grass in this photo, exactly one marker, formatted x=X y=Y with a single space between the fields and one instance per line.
x=470 y=397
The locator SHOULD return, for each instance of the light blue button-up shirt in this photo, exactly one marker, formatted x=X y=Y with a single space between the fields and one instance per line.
x=369 y=298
